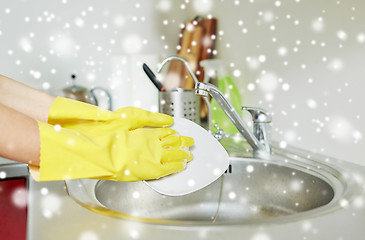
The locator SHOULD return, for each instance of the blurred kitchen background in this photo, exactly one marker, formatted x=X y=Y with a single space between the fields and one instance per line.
x=303 y=60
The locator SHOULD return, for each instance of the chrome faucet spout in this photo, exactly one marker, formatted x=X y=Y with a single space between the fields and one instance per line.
x=205 y=88
x=166 y=60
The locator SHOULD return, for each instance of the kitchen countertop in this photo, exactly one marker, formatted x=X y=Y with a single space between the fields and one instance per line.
x=52 y=214
x=5 y=161
x=65 y=219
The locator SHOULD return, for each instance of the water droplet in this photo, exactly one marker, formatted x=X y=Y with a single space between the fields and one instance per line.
x=344 y=203
x=203 y=6
x=318 y=25
x=2 y=175
x=136 y=194
x=57 y=127
x=283 y=144
x=311 y=103
x=262 y=58
x=251 y=87
x=360 y=38
x=44 y=191
x=232 y=195
x=191 y=182
x=19 y=197
x=341 y=35
x=89 y=235
x=250 y=168
x=236 y=73
x=285 y=87
x=260 y=236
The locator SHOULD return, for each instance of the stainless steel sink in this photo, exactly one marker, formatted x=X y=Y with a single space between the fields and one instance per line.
x=251 y=191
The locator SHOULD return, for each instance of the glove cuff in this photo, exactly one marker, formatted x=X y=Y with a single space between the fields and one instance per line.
x=68 y=154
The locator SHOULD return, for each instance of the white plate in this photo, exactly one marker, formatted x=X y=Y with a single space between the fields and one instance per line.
x=209 y=163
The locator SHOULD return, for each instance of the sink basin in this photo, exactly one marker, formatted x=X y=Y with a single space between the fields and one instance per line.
x=251 y=191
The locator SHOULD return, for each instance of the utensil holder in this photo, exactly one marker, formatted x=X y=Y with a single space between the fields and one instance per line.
x=180 y=103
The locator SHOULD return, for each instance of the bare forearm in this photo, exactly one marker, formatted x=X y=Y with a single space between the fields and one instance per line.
x=19 y=138
x=24 y=99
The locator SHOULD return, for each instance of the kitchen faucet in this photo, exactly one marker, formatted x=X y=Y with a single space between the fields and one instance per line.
x=259 y=139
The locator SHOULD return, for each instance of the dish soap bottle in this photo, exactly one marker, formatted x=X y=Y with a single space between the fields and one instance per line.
x=215 y=72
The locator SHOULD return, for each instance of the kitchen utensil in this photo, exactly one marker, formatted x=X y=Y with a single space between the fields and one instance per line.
x=84 y=95
x=152 y=77
x=208 y=41
x=180 y=103
x=210 y=161
x=196 y=44
x=190 y=47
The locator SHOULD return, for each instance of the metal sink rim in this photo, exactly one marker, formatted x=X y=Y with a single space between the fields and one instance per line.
x=335 y=177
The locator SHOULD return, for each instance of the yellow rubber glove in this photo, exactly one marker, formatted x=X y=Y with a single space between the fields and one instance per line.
x=69 y=113
x=119 y=155
x=65 y=109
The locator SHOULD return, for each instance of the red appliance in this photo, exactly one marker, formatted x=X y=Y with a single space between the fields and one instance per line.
x=13 y=201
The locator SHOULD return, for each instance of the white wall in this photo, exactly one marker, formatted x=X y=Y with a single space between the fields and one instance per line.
x=44 y=42
x=301 y=59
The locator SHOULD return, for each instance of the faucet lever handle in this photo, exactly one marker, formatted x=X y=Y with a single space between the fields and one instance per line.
x=259 y=115
x=261 y=125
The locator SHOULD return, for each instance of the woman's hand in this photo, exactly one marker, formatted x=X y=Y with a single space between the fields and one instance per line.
x=24 y=99
x=117 y=154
